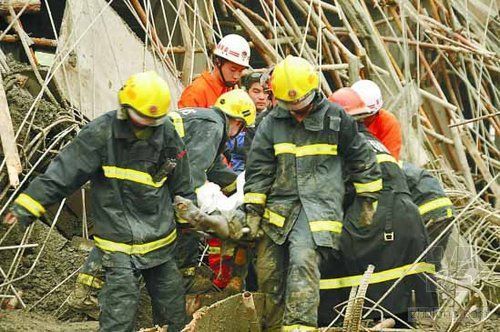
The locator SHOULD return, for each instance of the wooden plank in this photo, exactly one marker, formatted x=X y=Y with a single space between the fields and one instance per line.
x=32 y=6
x=8 y=139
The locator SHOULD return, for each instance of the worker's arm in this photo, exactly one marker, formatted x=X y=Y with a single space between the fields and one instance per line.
x=180 y=182
x=202 y=145
x=360 y=159
x=261 y=165
x=69 y=170
x=222 y=175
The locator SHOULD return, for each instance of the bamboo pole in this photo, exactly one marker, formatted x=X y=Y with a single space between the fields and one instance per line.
x=7 y=136
x=32 y=6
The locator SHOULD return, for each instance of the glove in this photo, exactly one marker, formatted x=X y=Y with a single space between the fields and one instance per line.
x=20 y=215
x=367 y=211
x=252 y=221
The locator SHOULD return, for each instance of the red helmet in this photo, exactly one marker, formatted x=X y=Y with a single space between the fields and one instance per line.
x=351 y=102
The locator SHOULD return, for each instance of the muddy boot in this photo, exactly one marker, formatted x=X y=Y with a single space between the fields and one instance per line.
x=81 y=299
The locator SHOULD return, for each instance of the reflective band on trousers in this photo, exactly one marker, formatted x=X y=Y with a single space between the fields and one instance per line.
x=298 y=327
x=30 y=204
x=178 y=123
x=306 y=150
x=378 y=277
x=274 y=218
x=255 y=198
x=134 y=249
x=326 y=226
x=133 y=175
x=89 y=280
x=368 y=187
x=434 y=205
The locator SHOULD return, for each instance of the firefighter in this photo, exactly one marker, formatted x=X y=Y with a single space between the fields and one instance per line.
x=380 y=122
x=434 y=206
x=391 y=242
x=231 y=57
x=135 y=162
x=205 y=133
x=259 y=92
x=294 y=191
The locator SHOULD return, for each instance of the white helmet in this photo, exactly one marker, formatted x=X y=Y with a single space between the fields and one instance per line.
x=370 y=93
x=234 y=48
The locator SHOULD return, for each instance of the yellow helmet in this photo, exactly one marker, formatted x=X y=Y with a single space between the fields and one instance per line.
x=237 y=104
x=147 y=93
x=294 y=80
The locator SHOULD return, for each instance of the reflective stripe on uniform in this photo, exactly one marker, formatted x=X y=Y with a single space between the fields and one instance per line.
x=255 y=198
x=135 y=249
x=369 y=187
x=213 y=250
x=133 y=175
x=378 y=277
x=298 y=327
x=434 y=205
x=230 y=187
x=30 y=204
x=326 y=226
x=305 y=150
x=274 y=218
x=89 y=280
x=387 y=158
x=178 y=123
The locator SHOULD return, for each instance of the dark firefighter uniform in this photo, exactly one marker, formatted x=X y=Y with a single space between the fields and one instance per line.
x=131 y=196
x=391 y=243
x=434 y=206
x=294 y=170
x=205 y=133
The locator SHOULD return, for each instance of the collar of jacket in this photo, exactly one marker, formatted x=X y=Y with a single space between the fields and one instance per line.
x=122 y=130
x=315 y=120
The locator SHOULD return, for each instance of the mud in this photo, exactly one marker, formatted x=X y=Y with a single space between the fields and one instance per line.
x=19 y=320
x=58 y=260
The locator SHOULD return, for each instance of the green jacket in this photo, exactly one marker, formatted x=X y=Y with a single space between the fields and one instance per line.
x=295 y=164
x=427 y=193
x=205 y=133
x=133 y=183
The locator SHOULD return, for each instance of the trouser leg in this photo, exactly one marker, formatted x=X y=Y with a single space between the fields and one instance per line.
x=187 y=255
x=302 y=282
x=270 y=270
x=119 y=299
x=164 y=284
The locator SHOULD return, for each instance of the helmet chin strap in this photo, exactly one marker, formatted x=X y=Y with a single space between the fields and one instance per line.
x=219 y=63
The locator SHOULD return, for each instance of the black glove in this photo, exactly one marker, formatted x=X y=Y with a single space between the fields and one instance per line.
x=367 y=211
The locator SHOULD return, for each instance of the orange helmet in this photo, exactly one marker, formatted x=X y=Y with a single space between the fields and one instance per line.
x=351 y=102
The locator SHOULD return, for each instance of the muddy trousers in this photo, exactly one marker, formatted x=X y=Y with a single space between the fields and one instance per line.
x=119 y=298
x=289 y=274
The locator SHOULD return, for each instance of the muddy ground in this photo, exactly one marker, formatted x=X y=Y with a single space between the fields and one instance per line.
x=59 y=259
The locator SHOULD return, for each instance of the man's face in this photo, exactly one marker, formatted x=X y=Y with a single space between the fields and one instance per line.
x=235 y=126
x=259 y=96
x=231 y=72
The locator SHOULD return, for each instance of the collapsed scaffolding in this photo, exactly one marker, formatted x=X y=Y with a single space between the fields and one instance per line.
x=436 y=61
